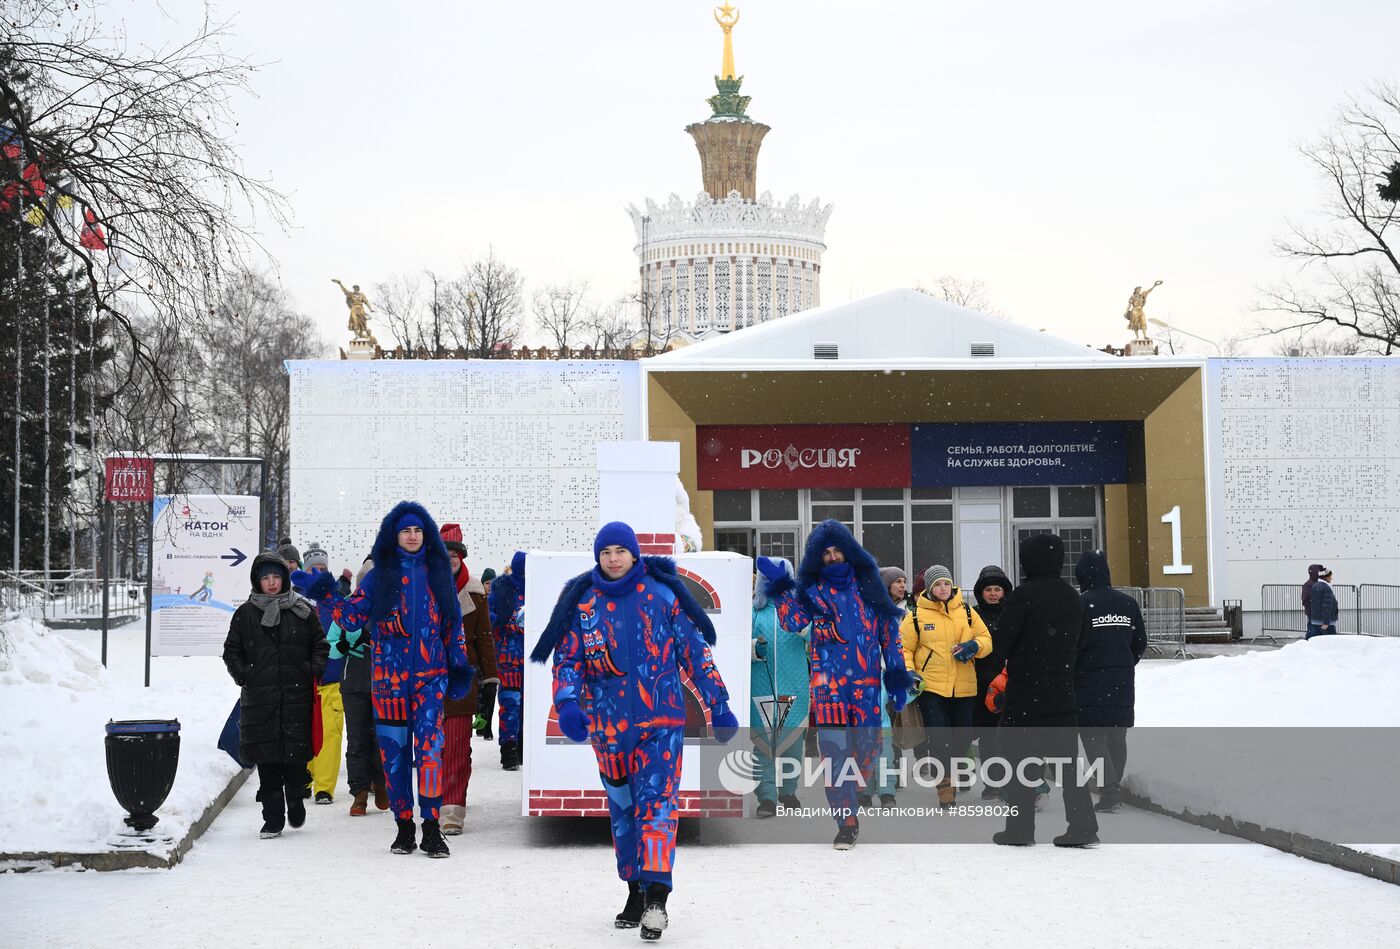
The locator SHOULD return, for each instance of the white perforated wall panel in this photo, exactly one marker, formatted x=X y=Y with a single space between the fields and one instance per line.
x=1307 y=469
x=504 y=448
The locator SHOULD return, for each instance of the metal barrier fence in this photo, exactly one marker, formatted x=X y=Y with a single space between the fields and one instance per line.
x=1281 y=609
x=74 y=600
x=1379 y=610
x=1164 y=615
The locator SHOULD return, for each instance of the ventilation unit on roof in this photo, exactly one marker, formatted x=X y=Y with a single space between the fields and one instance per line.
x=826 y=351
x=984 y=349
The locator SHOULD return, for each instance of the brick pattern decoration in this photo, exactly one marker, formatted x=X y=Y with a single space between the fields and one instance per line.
x=705 y=585
x=575 y=803
x=662 y=544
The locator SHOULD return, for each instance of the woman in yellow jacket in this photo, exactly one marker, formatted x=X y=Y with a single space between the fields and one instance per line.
x=942 y=636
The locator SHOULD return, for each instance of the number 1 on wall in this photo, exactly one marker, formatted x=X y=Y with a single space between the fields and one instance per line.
x=1173 y=517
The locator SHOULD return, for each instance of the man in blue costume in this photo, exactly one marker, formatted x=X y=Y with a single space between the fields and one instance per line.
x=621 y=635
x=408 y=605
x=855 y=631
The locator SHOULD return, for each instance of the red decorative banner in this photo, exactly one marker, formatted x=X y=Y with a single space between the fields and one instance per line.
x=735 y=457
x=130 y=479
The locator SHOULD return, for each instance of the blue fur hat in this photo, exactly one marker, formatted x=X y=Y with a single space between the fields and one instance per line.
x=387 y=573
x=616 y=532
x=832 y=533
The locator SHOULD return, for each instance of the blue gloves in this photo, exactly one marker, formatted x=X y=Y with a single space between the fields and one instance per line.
x=771 y=569
x=726 y=725
x=572 y=722
x=459 y=681
x=898 y=683
x=965 y=652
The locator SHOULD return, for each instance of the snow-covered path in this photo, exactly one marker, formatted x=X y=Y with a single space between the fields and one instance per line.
x=514 y=881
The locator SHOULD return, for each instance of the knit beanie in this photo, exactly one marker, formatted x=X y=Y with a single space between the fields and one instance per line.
x=269 y=568
x=488 y=574
x=616 y=532
x=288 y=551
x=316 y=556
x=935 y=573
x=889 y=575
x=409 y=519
x=451 y=535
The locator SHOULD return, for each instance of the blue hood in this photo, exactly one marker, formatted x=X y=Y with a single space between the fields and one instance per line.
x=388 y=573
x=833 y=533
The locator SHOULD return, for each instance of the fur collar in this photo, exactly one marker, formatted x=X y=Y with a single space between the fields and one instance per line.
x=660 y=569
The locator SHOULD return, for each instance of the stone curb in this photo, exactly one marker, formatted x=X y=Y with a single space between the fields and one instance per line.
x=1301 y=845
x=127 y=859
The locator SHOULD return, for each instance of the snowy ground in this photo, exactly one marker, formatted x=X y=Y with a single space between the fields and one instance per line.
x=55 y=698
x=551 y=882
x=514 y=881
x=1320 y=702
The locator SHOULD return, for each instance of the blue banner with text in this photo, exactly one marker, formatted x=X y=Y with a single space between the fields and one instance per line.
x=1023 y=453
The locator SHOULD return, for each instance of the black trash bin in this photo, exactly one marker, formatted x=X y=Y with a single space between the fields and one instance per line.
x=141 y=761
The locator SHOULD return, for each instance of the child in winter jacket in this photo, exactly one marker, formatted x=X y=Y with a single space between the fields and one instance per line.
x=621 y=635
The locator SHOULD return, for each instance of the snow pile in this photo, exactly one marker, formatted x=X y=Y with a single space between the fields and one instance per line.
x=55 y=698
x=1326 y=682
x=1286 y=739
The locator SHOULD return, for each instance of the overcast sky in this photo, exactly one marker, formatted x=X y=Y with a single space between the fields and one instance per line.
x=1059 y=153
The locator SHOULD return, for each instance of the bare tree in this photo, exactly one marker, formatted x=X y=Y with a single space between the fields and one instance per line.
x=611 y=326
x=488 y=302
x=655 y=319
x=398 y=304
x=1304 y=345
x=1350 y=258
x=962 y=292
x=560 y=311
x=139 y=142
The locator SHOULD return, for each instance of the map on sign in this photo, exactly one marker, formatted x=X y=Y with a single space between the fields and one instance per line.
x=505 y=448
x=202 y=546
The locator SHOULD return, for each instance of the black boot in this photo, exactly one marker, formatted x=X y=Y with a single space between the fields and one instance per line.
x=1109 y=801
x=404 y=842
x=631 y=915
x=271 y=799
x=433 y=844
x=510 y=757
x=654 y=917
x=296 y=806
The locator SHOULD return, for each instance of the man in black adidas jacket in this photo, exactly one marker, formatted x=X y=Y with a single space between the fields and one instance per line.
x=1038 y=635
x=1113 y=640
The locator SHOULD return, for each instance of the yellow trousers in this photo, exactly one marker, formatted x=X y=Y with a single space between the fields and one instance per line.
x=325 y=767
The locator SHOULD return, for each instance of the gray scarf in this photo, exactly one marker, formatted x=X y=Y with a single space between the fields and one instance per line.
x=272 y=605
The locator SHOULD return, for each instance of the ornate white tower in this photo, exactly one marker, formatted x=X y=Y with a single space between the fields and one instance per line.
x=728 y=259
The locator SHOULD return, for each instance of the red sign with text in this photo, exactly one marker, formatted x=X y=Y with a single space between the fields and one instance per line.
x=735 y=457
x=130 y=479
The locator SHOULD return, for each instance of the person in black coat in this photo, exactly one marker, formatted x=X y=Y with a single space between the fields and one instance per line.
x=1038 y=636
x=1114 y=638
x=990 y=590
x=275 y=651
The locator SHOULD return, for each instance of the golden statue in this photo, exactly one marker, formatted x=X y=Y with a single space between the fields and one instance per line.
x=358 y=303
x=1137 y=320
x=726 y=16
